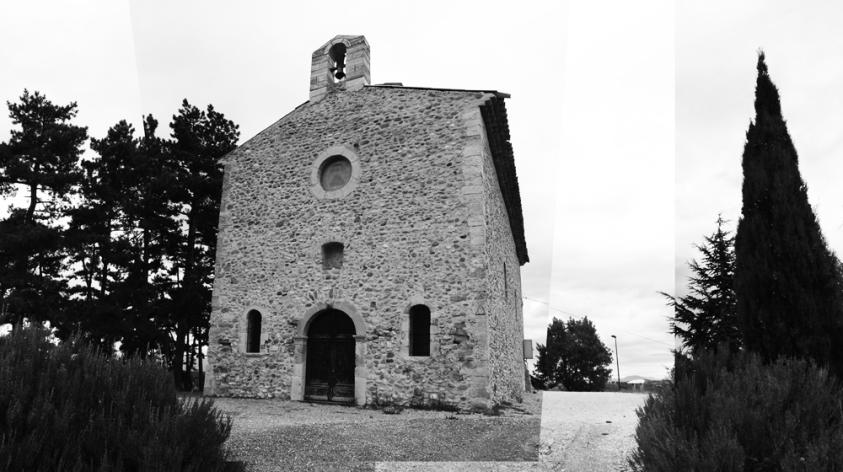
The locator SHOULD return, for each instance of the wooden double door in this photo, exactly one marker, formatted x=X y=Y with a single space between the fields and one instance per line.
x=330 y=358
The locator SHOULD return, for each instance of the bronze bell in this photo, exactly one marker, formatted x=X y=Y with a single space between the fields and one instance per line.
x=337 y=55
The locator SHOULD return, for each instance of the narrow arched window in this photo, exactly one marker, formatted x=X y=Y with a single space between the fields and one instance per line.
x=253 y=331
x=419 y=330
x=505 y=282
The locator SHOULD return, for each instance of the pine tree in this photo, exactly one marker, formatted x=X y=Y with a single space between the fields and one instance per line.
x=123 y=230
x=41 y=158
x=149 y=220
x=200 y=140
x=786 y=279
x=706 y=317
x=98 y=240
x=146 y=236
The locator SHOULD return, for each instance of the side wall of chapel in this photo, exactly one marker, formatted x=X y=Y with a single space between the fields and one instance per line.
x=503 y=280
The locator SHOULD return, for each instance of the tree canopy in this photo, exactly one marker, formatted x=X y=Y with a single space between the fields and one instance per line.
x=118 y=247
x=574 y=357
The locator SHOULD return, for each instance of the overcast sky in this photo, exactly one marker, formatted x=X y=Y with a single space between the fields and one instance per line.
x=591 y=114
x=614 y=215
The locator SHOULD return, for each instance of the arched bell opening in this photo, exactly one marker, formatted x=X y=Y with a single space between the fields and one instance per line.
x=337 y=55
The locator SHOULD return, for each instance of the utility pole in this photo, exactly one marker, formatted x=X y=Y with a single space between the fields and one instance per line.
x=618 y=361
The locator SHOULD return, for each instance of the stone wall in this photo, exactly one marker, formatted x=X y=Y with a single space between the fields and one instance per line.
x=503 y=281
x=504 y=306
x=411 y=235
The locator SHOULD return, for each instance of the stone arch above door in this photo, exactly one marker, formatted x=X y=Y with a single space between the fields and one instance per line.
x=346 y=307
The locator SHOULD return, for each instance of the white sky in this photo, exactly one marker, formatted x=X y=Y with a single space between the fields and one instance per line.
x=591 y=113
x=613 y=245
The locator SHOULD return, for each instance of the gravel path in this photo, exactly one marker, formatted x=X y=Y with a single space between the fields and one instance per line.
x=584 y=431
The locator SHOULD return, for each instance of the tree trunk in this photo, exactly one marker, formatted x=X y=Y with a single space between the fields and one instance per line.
x=104 y=250
x=33 y=201
x=182 y=381
x=188 y=290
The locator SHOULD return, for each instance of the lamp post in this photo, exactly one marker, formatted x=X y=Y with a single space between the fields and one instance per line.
x=618 y=361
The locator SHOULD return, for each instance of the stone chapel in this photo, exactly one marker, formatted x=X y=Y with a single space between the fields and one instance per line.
x=370 y=245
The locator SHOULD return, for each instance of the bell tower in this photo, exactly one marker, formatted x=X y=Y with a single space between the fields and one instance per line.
x=340 y=64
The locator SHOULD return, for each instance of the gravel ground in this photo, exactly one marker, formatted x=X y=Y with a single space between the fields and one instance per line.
x=271 y=435
x=575 y=432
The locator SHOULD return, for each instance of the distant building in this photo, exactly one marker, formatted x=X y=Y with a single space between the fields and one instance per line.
x=637 y=384
x=370 y=244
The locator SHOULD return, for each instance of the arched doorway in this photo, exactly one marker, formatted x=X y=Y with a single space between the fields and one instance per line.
x=329 y=369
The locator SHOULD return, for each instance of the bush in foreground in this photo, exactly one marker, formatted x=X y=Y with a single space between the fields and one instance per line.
x=68 y=407
x=735 y=413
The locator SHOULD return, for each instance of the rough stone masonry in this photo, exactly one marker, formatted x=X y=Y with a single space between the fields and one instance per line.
x=416 y=189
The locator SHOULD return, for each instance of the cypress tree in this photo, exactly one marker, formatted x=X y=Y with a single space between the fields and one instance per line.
x=786 y=280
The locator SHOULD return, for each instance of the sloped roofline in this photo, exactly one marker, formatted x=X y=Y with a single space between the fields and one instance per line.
x=495 y=92
x=497 y=133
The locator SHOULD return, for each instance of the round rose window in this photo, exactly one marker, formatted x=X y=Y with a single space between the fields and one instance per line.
x=335 y=173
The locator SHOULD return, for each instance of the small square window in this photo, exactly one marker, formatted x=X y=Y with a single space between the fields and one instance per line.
x=332 y=255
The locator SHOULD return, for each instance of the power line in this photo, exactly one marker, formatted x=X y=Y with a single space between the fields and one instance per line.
x=648 y=339
x=549 y=306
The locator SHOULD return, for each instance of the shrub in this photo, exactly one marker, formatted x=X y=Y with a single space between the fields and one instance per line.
x=731 y=412
x=68 y=407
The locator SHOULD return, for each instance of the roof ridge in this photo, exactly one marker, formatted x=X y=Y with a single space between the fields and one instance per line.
x=498 y=94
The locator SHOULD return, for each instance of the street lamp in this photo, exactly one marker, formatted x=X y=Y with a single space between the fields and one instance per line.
x=618 y=361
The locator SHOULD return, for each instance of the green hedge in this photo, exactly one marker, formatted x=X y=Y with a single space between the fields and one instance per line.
x=731 y=412
x=68 y=407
